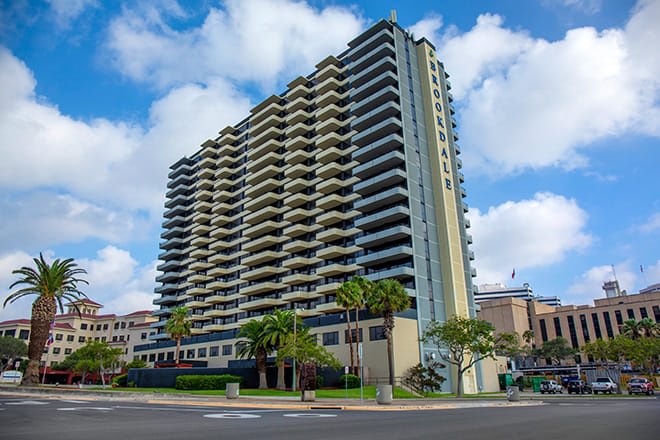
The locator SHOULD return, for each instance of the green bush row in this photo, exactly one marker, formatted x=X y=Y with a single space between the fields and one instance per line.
x=120 y=381
x=198 y=382
x=349 y=381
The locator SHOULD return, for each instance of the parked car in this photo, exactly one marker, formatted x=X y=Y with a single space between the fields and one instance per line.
x=640 y=385
x=604 y=385
x=578 y=387
x=551 y=386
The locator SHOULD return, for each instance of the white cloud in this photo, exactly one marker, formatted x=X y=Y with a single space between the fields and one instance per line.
x=427 y=27
x=588 y=286
x=530 y=103
x=525 y=234
x=651 y=225
x=587 y=6
x=66 y=11
x=651 y=274
x=255 y=40
x=115 y=278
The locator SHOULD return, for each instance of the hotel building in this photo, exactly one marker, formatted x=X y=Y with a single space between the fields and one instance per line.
x=353 y=170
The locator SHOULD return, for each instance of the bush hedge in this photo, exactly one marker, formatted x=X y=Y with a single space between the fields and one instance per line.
x=210 y=382
x=120 y=380
x=349 y=381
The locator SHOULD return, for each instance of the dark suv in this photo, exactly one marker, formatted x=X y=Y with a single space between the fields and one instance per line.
x=578 y=387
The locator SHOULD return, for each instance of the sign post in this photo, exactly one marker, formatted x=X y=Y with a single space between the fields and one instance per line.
x=361 y=369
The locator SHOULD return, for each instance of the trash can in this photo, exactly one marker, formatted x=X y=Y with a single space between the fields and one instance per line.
x=384 y=394
x=231 y=391
x=513 y=394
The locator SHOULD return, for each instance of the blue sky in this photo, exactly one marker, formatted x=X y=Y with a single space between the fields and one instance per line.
x=557 y=103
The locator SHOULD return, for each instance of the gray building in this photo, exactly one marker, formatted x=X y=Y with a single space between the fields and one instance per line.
x=353 y=170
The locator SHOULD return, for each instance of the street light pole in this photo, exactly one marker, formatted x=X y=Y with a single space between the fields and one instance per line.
x=295 y=319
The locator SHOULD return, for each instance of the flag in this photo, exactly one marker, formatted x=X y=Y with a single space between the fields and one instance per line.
x=50 y=339
x=513 y=274
x=641 y=268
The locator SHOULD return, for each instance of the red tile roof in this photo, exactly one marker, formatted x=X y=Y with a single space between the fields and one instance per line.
x=85 y=301
x=16 y=321
x=140 y=312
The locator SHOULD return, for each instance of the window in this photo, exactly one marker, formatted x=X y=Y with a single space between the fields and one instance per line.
x=105 y=327
x=557 y=324
x=331 y=338
x=643 y=312
x=83 y=326
x=96 y=338
x=226 y=350
x=114 y=339
x=619 y=318
x=116 y=326
x=191 y=353
x=161 y=356
x=58 y=336
x=170 y=355
x=121 y=337
x=585 y=328
x=152 y=357
x=123 y=325
x=608 y=324
x=572 y=331
x=103 y=338
x=144 y=357
x=67 y=351
x=128 y=337
x=594 y=319
x=11 y=333
x=81 y=339
x=352 y=334
x=143 y=335
x=98 y=327
x=201 y=352
x=631 y=313
x=131 y=324
x=656 y=313
x=377 y=333
x=25 y=334
x=544 y=330
x=214 y=351
x=56 y=350
x=69 y=338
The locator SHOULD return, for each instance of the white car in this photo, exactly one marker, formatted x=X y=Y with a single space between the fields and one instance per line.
x=604 y=385
x=551 y=387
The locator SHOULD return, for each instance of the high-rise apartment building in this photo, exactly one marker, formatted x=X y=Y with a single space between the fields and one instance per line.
x=353 y=170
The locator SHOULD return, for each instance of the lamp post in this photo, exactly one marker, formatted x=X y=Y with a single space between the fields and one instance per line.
x=293 y=362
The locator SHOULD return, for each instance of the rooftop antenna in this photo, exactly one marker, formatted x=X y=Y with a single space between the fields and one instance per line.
x=614 y=273
x=393 y=15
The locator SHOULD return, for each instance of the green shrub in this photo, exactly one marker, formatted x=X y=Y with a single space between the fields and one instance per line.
x=120 y=380
x=319 y=382
x=200 y=382
x=349 y=381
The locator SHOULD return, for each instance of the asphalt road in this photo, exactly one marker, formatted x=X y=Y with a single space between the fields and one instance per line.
x=41 y=418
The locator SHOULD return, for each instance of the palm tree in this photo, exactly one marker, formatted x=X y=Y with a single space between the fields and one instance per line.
x=387 y=298
x=649 y=328
x=632 y=329
x=178 y=326
x=277 y=327
x=347 y=294
x=255 y=347
x=51 y=284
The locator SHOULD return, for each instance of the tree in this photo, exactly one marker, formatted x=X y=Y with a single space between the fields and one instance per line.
x=649 y=328
x=136 y=363
x=10 y=350
x=178 y=326
x=424 y=379
x=277 y=327
x=347 y=296
x=364 y=289
x=387 y=298
x=556 y=350
x=632 y=329
x=255 y=346
x=92 y=357
x=51 y=283
x=463 y=342
x=305 y=350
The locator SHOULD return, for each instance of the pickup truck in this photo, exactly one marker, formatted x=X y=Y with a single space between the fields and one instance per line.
x=604 y=385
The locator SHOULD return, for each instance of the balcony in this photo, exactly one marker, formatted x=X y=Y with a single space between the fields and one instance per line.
x=387 y=179
x=300 y=245
x=388 y=197
x=298 y=262
x=257 y=288
x=300 y=278
x=332 y=217
x=336 y=269
x=373 y=133
x=336 y=251
x=384 y=256
x=380 y=238
x=378 y=148
x=261 y=272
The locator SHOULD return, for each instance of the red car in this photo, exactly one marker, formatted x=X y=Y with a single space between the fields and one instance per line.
x=640 y=385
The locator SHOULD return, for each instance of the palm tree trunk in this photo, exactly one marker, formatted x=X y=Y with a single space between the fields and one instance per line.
x=281 y=385
x=178 y=350
x=43 y=313
x=261 y=368
x=350 y=339
x=388 y=323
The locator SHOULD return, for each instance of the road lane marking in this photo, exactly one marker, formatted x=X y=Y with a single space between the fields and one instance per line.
x=27 y=402
x=86 y=408
x=232 y=416
x=73 y=401
x=310 y=415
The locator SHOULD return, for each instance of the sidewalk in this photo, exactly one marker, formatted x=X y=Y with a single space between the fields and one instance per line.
x=270 y=402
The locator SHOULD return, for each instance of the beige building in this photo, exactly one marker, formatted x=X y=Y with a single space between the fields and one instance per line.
x=577 y=324
x=72 y=330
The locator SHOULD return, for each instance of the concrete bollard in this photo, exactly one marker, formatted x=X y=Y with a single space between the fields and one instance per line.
x=231 y=391
x=384 y=394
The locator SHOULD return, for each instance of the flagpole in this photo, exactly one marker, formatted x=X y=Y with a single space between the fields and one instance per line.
x=43 y=379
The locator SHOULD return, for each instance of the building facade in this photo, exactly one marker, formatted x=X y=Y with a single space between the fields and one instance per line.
x=72 y=330
x=353 y=170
